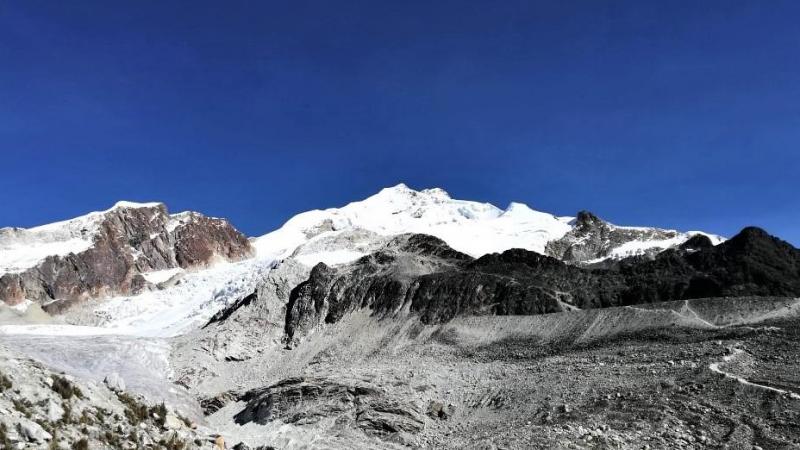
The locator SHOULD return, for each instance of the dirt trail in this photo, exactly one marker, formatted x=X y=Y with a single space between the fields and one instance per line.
x=739 y=353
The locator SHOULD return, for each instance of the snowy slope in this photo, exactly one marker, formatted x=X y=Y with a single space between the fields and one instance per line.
x=187 y=304
x=161 y=313
x=470 y=227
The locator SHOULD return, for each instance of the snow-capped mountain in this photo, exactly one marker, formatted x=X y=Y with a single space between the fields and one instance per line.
x=123 y=250
x=593 y=240
x=339 y=235
x=160 y=274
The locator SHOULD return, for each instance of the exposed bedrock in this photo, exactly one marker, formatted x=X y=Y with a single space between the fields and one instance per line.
x=310 y=400
x=420 y=274
x=593 y=238
x=127 y=241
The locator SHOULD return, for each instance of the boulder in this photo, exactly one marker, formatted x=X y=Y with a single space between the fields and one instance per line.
x=54 y=411
x=114 y=382
x=173 y=422
x=33 y=432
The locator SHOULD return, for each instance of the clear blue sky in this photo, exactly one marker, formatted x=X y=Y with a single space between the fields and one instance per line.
x=675 y=114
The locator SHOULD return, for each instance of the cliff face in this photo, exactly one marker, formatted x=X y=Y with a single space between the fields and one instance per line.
x=420 y=274
x=592 y=239
x=120 y=245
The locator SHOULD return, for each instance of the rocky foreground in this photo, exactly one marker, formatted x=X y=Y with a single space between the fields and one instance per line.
x=40 y=408
x=620 y=338
x=417 y=345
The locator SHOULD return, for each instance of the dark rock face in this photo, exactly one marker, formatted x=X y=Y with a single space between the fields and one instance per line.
x=128 y=241
x=420 y=274
x=309 y=400
x=697 y=242
x=750 y=263
x=594 y=238
x=241 y=446
x=421 y=271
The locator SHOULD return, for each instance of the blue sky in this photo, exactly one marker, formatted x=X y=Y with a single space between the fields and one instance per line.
x=676 y=114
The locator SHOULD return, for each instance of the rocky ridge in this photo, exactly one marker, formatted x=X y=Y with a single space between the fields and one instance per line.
x=420 y=274
x=593 y=240
x=132 y=248
x=111 y=253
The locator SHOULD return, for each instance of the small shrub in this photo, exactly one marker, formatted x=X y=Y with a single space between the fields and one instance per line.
x=54 y=441
x=5 y=442
x=135 y=412
x=65 y=388
x=23 y=406
x=172 y=444
x=133 y=437
x=46 y=426
x=5 y=382
x=85 y=418
x=66 y=418
x=159 y=411
x=83 y=444
x=112 y=440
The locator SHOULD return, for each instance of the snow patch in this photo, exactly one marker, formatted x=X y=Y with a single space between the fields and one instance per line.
x=134 y=205
x=161 y=276
x=23 y=306
x=330 y=258
x=55 y=330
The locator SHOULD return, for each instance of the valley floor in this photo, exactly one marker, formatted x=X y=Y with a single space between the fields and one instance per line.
x=652 y=381
x=717 y=373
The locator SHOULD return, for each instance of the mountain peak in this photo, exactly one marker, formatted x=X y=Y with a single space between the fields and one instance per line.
x=437 y=193
x=586 y=218
x=124 y=204
x=399 y=187
x=516 y=209
x=754 y=237
x=403 y=189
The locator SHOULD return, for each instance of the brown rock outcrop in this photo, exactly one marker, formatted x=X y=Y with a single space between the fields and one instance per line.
x=126 y=242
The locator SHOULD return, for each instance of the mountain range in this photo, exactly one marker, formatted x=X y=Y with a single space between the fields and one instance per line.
x=405 y=320
x=132 y=247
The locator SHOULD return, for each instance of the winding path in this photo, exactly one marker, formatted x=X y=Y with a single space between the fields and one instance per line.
x=737 y=352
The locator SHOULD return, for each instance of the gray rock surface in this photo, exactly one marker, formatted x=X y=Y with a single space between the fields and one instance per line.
x=32 y=431
x=114 y=382
x=592 y=238
x=41 y=409
x=244 y=328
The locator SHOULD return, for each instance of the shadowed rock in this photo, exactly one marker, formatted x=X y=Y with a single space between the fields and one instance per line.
x=304 y=401
x=421 y=275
